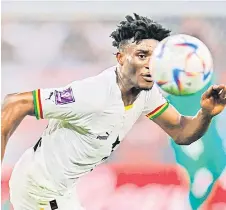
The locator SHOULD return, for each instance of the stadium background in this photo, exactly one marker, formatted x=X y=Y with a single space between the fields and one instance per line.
x=49 y=44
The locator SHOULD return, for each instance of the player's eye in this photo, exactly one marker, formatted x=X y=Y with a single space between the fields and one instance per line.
x=142 y=56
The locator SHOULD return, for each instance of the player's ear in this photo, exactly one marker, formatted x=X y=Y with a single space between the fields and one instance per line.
x=120 y=58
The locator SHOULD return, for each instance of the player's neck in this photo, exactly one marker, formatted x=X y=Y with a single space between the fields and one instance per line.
x=129 y=92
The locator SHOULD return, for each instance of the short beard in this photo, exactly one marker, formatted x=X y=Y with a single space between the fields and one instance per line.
x=145 y=88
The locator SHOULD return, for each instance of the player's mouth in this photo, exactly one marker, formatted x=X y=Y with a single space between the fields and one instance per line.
x=147 y=77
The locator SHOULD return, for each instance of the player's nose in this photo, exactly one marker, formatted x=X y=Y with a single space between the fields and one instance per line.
x=150 y=66
x=147 y=64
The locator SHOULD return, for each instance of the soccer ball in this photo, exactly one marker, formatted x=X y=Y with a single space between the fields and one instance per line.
x=181 y=65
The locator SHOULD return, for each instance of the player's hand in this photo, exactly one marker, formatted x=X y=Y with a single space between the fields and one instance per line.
x=213 y=101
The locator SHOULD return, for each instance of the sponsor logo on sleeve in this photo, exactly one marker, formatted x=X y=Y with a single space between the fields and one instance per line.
x=64 y=97
x=50 y=96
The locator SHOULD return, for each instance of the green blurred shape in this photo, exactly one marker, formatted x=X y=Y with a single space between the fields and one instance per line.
x=213 y=156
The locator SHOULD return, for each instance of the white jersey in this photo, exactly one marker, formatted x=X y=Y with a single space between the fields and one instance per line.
x=87 y=121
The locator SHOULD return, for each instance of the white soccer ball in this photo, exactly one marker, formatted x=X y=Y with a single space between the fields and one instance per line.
x=181 y=64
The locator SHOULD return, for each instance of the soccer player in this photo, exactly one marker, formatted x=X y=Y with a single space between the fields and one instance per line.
x=89 y=118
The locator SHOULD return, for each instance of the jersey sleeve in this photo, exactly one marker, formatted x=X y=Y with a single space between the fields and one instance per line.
x=155 y=104
x=74 y=100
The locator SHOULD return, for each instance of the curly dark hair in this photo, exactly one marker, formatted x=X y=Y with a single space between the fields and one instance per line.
x=138 y=28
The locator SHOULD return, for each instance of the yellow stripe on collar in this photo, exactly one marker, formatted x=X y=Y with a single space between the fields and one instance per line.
x=128 y=107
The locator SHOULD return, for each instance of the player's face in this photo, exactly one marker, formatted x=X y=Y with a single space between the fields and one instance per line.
x=135 y=63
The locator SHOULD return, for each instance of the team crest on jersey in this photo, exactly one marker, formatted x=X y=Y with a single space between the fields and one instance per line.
x=64 y=97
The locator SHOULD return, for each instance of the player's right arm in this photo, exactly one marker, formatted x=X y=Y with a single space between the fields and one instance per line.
x=69 y=103
x=15 y=107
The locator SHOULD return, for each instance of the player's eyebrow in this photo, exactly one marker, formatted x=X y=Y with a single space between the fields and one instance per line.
x=143 y=51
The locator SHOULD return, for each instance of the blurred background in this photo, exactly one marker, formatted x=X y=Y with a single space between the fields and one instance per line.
x=49 y=44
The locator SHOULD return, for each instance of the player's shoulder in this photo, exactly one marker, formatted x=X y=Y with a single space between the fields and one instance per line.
x=97 y=88
x=101 y=82
x=154 y=95
x=154 y=99
x=153 y=92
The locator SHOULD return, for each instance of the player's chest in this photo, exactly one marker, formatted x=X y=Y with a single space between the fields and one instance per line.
x=107 y=136
x=116 y=117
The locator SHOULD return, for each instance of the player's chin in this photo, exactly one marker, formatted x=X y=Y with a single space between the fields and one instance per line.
x=146 y=85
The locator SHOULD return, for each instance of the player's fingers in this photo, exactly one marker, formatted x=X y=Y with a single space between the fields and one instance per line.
x=215 y=91
x=210 y=91
x=218 y=87
x=222 y=94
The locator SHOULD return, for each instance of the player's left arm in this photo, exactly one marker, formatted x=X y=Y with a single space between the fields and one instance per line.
x=187 y=129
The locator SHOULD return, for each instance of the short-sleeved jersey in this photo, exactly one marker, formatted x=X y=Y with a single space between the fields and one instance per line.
x=87 y=121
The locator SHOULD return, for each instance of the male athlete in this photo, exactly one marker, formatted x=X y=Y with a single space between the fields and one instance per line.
x=89 y=118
